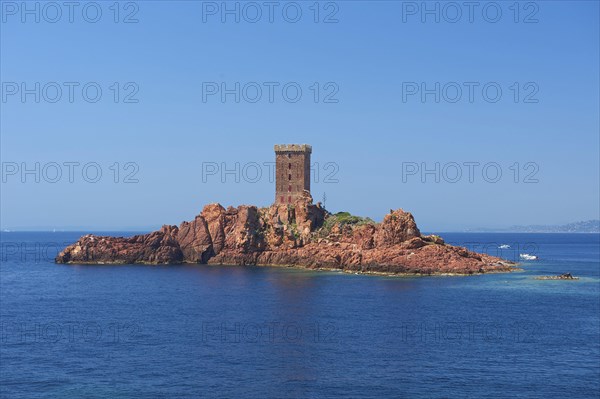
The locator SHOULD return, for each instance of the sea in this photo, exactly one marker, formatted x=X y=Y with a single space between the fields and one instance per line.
x=197 y=331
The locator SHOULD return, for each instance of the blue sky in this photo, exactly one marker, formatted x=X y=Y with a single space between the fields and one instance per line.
x=371 y=136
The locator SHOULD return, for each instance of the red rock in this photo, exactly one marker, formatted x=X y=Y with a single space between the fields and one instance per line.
x=397 y=226
x=195 y=241
x=154 y=248
x=214 y=215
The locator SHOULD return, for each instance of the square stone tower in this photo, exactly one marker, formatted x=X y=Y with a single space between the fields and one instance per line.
x=292 y=172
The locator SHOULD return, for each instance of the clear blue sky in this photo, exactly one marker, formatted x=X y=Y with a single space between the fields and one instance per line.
x=369 y=133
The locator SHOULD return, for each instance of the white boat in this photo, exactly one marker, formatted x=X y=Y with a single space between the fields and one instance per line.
x=504 y=246
x=528 y=257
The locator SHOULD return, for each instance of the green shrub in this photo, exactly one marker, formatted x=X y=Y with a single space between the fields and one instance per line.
x=341 y=219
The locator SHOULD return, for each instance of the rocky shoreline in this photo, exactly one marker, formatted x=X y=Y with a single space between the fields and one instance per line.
x=300 y=235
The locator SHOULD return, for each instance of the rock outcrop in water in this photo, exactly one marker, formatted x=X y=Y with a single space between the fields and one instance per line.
x=564 y=276
x=302 y=234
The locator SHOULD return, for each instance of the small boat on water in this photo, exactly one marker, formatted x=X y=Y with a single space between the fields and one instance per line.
x=528 y=257
x=504 y=246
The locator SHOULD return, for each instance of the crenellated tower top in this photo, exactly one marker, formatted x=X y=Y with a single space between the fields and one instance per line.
x=293 y=148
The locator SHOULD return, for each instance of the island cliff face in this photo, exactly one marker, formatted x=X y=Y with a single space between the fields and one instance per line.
x=301 y=234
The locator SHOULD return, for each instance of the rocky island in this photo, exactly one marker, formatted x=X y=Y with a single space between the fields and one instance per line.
x=301 y=234
x=291 y=232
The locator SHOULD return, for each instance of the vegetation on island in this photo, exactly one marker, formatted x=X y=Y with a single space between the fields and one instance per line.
x=341 y=219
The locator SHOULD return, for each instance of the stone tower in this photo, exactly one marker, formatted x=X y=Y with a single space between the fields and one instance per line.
x=292 y=172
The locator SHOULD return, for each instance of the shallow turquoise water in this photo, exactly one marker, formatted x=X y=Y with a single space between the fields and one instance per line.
x=205 y=331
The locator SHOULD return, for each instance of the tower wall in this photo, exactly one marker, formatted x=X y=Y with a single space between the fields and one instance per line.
x=292 y=172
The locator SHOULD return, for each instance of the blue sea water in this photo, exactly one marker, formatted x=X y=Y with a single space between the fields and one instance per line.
x=195 y=331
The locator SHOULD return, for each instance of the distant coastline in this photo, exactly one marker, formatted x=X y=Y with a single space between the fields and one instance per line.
x=588 y=226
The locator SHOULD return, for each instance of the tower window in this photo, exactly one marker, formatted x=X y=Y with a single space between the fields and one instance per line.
x=289 y=177
x=289 y=166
